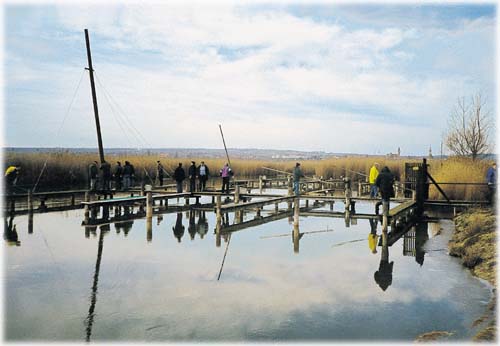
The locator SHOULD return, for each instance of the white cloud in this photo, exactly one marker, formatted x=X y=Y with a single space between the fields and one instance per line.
x=222 y=62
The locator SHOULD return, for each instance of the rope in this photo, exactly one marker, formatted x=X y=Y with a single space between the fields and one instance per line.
x=60 y=128
x=125 y=117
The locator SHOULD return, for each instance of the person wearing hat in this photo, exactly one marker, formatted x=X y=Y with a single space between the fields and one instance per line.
x=373 y=178
x=297 y=174
x=192 y=177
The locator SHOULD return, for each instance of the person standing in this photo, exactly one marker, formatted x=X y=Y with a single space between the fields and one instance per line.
x=372 y=178
x=106 y=176
x=491 y=180
x=297 y=174
x=159 y=172
x=179 y=176
x=226 y=172
x=203 y=173
x=127 y=175
x=93 y=175
x=384 y=182
x=11 y=175
x=192 y=177
x=118 y=175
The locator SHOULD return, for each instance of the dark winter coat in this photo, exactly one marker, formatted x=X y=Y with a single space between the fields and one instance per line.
x=384 y=182
x=179 y=174
x=192 y=171
x=128 y=169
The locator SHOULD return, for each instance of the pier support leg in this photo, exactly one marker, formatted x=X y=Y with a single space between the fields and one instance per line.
x=86 y=211
x=149 y=204
x=236 y=194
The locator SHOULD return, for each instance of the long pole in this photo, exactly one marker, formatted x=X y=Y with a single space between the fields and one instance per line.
x=94 y=97
x=223 y=141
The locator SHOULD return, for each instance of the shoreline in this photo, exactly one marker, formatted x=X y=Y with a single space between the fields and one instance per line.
x=474 y=242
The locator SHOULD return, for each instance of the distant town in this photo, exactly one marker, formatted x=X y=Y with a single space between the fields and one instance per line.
x=256 y=154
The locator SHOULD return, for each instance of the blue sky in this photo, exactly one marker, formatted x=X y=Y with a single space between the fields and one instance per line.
x=363 y=78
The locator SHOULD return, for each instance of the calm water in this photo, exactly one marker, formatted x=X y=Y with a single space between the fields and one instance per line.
x=166 y=288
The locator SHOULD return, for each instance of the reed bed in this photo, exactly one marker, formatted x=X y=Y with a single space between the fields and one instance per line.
x=69 y=170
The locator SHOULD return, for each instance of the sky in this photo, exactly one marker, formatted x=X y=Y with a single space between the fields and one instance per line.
x=348 y=77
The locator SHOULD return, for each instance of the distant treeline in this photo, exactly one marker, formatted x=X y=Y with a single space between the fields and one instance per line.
x=65 y=170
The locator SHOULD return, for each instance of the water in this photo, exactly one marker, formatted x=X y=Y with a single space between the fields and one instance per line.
x=56 y=289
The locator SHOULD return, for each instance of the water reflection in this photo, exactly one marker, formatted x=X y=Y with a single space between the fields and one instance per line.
x=10 y=232
x=89 y=321
x=373 y=236
x=383 y=276
x=178 y=227
x=202 y=226
x=192 y=224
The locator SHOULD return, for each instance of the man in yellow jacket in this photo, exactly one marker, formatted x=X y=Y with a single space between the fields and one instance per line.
x=11 y=174
x=373 y=178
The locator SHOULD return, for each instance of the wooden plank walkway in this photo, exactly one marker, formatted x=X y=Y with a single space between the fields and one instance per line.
x=256 y=204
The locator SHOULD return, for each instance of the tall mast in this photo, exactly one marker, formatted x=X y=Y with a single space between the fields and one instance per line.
x=94 y=97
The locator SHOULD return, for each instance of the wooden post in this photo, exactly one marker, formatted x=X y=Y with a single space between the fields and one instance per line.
x=30 y=222
x=186 y=200
x=385 y=215
x=276 y=207
x=218 y=210
x=260 y=183
x=73 y=200
x=86 y=208
x=359 y=189
x=296 y=212
x=258 y=211
x=296 y=237
x=236 y=194
x=149 y=229
x=30 y=201
x=307 y=203
x=149 y=204
x=331 y=205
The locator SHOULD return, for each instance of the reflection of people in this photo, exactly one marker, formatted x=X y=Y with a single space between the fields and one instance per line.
x=383 y=276
x=421 y=236
x=202 y=226
x=178 y=228
x=10 y=232
x=192 y=225
x=491 y=180
x=373 y=237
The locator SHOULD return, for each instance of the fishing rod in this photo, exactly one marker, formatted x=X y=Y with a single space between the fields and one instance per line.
x=302 y=233
x=229 y=237
x=223 y=141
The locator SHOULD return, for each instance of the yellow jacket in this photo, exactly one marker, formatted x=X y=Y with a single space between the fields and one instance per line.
x=9 y=170
x=373 y=174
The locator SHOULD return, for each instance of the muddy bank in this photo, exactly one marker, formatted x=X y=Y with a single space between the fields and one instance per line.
x=474 y=241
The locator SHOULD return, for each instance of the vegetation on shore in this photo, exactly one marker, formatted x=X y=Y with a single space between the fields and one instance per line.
x=67 y=170
x=474 y=241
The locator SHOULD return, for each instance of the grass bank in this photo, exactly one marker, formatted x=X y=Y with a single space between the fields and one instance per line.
x=474 y=241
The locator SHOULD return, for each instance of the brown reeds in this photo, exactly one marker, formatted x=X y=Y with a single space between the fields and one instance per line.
x=67 y=170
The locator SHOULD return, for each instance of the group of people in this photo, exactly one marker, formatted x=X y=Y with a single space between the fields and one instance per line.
x=200 y=173
x=101 y=178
